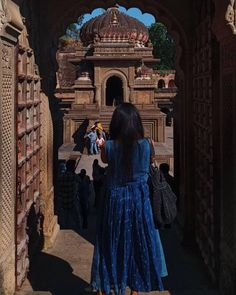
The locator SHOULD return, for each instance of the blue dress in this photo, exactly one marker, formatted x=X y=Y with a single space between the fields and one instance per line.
x=128 y=250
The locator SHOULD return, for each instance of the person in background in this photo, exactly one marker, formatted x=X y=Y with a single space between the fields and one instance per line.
x=100 y=129
x=100 y=140
x=62 y=167
x=68 y=194
x=97 y=180
x=84 y=196
x=92 y=135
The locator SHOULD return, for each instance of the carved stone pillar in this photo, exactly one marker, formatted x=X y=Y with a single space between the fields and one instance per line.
x=10 y=27
x=131 y=95
x=98 y=97
x=46 y=165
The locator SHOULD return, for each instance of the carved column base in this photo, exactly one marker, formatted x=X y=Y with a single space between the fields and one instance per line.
x=50 y=236
x=50 y=225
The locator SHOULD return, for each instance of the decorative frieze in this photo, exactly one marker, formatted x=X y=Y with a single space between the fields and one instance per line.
x=3 y=14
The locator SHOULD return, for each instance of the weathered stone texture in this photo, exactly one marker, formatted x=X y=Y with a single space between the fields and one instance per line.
x=8 y=39
x=46 y=165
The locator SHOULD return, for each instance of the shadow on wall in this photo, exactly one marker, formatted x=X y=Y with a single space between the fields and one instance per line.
x=35 y=232
x=50 y=273
x=79 y=135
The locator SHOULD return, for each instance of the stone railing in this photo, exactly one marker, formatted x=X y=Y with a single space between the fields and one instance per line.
x=167 y=90
x=118 y=50
x=143 y=51
x=163 y=73
x=145 y=82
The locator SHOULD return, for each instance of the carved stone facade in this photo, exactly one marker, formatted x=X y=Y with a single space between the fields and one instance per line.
x=21 y=159
x=112 y=65
x=8 y=10
x=29 y=232
x=36 y=224
x=7 y=175
x=203 y=107
x=46 y=178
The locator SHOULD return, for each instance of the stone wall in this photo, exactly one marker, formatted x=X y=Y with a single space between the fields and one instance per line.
x=10 y=27
x=50 y=226
x=204 y=100
x=225 y=29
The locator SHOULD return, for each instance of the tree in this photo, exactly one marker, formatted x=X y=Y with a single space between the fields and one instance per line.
x=73 y=30
x=163 y=46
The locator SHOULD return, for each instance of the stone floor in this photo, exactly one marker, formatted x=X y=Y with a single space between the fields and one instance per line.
x=65 y=268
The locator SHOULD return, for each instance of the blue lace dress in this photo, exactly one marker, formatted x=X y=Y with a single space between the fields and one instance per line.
x=128 y=250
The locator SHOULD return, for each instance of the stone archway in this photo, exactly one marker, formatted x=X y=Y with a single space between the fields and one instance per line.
x=114 y=91
x=124 y=88
x=190 y=108
x=161 y=84
x=52 y=29
x=171 y=84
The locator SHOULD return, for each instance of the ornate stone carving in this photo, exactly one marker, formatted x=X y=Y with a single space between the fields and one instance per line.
x=230 y=15
x=6 y=57
x=203 y=130
x=3 y=13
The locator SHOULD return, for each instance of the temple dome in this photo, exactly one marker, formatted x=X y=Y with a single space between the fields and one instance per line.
x=114 y=26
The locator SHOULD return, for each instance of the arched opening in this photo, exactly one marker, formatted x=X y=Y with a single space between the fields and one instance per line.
x=171 y=84
x=114 y=91
x=161 y=84
x=113 y=88
x=169 y=115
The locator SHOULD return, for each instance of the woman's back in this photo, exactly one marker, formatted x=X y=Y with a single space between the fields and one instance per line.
x=140 y=162
x=128 y=251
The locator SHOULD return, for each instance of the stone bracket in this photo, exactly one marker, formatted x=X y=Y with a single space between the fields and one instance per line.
x=230 y=16
x=11 y=23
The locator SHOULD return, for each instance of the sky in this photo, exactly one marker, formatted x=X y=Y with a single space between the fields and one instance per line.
x=146 y=18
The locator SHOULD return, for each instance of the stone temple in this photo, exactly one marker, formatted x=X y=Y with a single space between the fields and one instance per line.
x=113 y=63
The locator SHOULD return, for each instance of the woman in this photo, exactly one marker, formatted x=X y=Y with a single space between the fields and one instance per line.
x=128 y=251
x=92 y=135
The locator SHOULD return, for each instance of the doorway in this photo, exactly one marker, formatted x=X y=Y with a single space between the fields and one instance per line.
x=114 y=91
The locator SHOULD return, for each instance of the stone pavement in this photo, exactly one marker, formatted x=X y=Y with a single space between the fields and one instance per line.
x=65 y=269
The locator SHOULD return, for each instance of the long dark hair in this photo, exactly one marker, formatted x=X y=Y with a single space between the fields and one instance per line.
x=126 y=128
